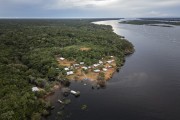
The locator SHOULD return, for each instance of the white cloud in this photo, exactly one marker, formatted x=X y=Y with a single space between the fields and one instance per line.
x=113 y=4
x=145 y=4
x=133 y=8
x=65 y=4
x=156 y=14
x=150 y=14
x=124 y=8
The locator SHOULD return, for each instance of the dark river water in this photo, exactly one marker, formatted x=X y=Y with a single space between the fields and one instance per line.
x=147 y=86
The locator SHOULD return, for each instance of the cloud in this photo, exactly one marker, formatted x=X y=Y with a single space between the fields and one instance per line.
x=66 y=4
x=155 y=13
x=94 y=8
x=19 y=2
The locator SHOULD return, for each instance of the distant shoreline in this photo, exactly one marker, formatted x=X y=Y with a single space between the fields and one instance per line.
x=152 y=22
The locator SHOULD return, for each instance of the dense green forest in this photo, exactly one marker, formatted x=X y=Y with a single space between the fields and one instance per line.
x=28 y=51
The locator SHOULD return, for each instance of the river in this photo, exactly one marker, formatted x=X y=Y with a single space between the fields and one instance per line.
x=147 y=86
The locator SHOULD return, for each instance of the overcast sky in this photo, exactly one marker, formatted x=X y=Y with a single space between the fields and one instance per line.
x=89 y=8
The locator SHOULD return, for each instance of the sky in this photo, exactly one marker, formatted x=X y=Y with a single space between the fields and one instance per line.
x=88 y=8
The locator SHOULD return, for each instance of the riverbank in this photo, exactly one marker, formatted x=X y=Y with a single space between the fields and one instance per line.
x=152 y=22
x=88 y=62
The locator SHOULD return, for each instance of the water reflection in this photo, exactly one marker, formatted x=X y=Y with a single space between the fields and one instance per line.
x=134 y=80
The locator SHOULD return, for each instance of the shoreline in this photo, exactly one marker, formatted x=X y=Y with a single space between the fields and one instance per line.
x=55 y=87
x=84 y=76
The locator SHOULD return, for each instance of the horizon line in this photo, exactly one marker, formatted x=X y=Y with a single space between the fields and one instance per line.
x=78 y=17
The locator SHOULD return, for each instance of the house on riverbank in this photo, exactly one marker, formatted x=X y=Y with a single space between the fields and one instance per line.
x=97 y=71
x=70 y=73
x=61 y=58
x=34 y=89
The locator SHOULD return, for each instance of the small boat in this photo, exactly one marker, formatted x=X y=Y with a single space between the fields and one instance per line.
x=60 y=101
x=76 y=93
